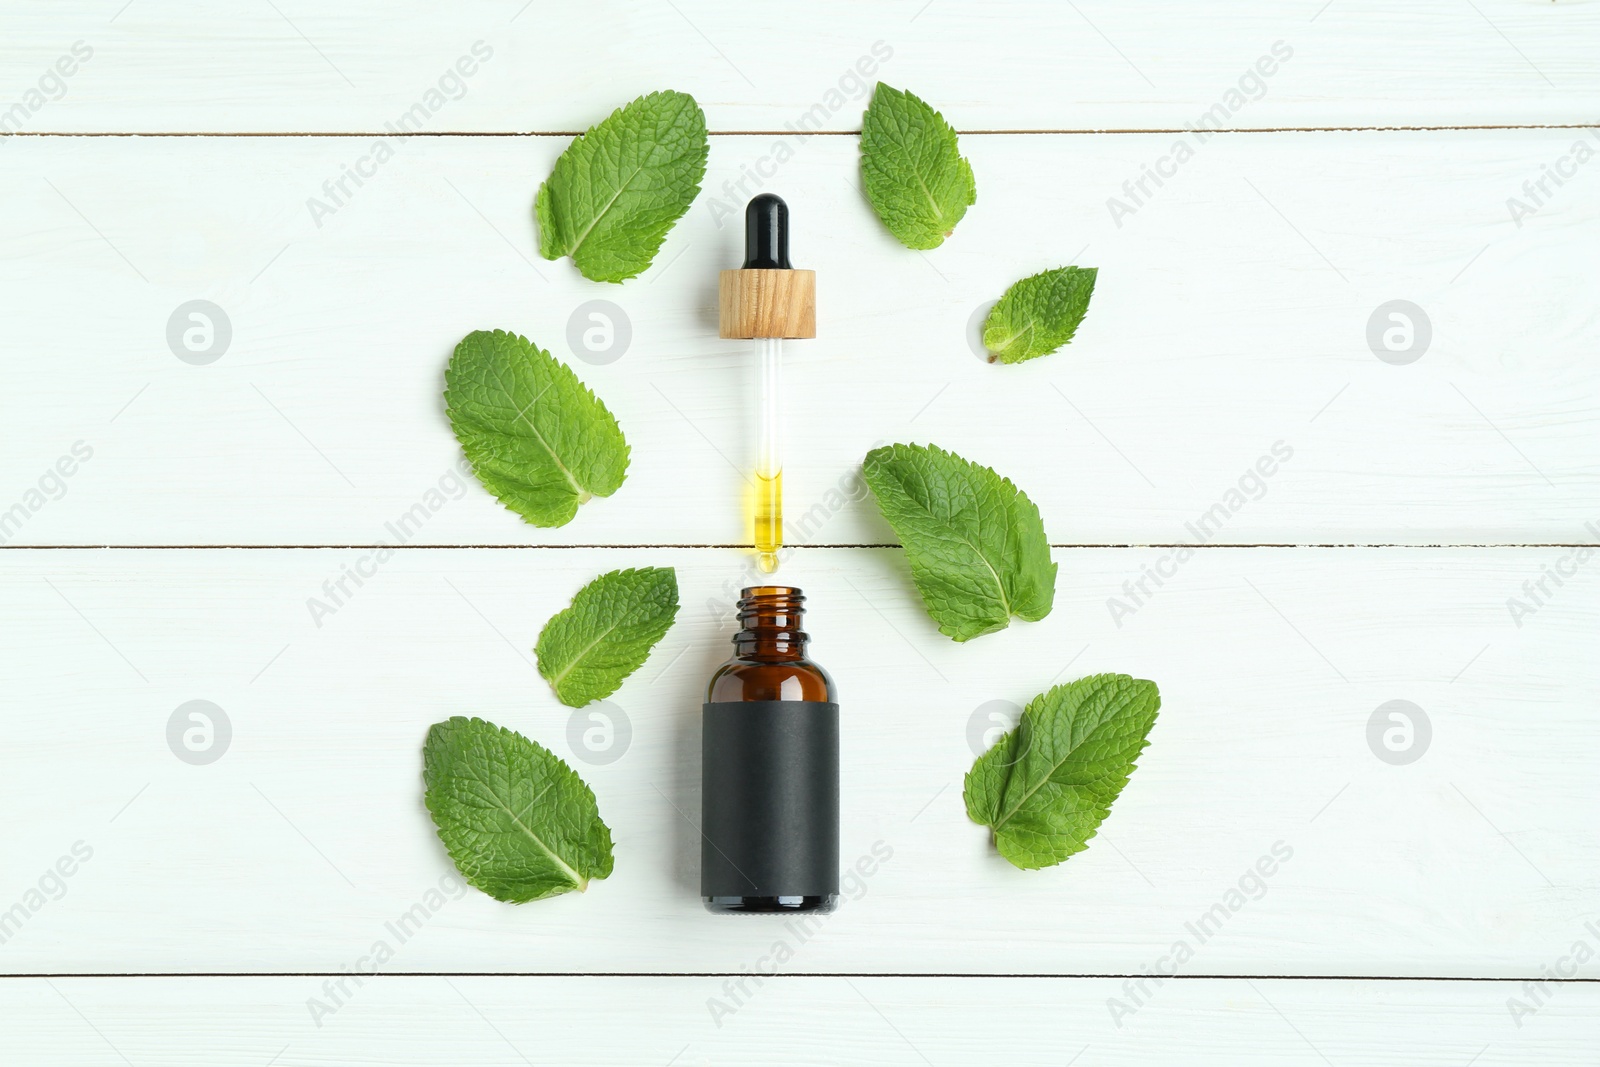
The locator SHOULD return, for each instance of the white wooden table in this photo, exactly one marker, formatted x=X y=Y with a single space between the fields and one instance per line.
x=1417 y=902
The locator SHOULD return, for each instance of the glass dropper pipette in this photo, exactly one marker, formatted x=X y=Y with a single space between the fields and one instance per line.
x=769 y=454
x=769 y=300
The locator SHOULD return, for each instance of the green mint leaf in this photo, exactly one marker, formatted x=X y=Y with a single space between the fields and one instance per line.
x=618 y=189
x=587 y=650
x=912 y=169
x=1039 y=314
x=538 y=439
x=518 y=823
x=975 y=543
x=1046 y=786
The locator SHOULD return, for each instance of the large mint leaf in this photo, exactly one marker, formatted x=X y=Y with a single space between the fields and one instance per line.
x=976 y=546
x=587 y=650
x=1046 y=786
x=538 y=439
x=518 y=823
x=1039 y=314
x=912 y=169
x=618 y=189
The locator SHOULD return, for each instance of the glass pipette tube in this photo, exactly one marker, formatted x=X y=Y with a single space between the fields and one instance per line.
x=769 y=454
x=767 y=299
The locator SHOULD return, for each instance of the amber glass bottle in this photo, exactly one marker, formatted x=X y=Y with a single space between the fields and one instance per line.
x=770 y=768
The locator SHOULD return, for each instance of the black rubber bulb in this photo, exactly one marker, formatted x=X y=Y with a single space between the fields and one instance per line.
x=766 y=233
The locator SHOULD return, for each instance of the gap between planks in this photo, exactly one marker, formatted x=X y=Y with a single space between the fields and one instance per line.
x=1134 y=131
x=960 y=975
x=749 y=548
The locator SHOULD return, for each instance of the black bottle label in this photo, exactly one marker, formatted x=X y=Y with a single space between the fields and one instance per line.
x=770 y=799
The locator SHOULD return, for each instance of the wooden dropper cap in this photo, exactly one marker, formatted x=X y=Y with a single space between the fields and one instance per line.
x=767 y=297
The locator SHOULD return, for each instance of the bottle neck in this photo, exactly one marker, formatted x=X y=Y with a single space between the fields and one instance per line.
x=769 y=624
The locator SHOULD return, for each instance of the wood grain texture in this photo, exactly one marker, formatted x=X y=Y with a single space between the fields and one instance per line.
x=767 y=303
x=856 y=1021
x=293 y=850
x=1231 y=314
x=158 y=65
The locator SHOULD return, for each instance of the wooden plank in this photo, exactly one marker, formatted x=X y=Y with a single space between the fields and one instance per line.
x=1262 y=828
x=1229 y=326
x=866 y=1021
x=157 y=66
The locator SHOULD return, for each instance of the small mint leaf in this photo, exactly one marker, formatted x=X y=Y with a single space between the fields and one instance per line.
x=587 y=650
x=975 y=543
x=620 y=187
x=912 y=169
x=538 y=439
x=1039 y=314
x=1045 y=787
x=518 y=823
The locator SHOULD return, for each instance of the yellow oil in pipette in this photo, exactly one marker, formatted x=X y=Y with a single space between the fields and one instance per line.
x=768 y=533
x=768 y=519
